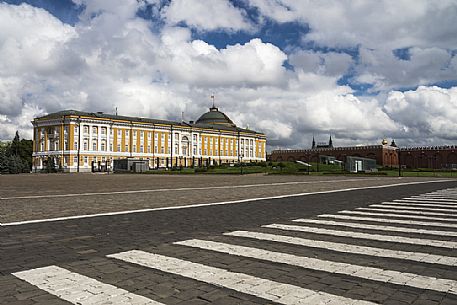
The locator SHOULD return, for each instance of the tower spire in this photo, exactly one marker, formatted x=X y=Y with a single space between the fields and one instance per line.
x=212 y=98
x=314 y=143
x=330 y=142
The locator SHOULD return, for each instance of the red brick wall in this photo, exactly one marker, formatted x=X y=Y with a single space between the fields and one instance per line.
x=414 y=157
x=384 y=155
x=429 y=157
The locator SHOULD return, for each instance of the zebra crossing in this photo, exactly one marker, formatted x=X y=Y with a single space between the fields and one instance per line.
x=394 y=244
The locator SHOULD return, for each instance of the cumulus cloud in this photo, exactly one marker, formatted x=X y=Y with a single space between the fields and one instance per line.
x=207 y=15
x=427 y=112
x=377 y=29
x=198 y=63
x=384 y=70
x=331 y=63
x=114 y=58
x=393 y=24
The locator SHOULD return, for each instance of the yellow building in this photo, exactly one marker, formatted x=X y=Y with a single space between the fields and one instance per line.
x=75 y=141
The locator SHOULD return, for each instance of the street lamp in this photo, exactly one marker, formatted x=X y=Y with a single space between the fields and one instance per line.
x=241 y=162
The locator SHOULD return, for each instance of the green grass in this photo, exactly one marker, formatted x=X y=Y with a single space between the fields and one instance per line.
x=292 y=168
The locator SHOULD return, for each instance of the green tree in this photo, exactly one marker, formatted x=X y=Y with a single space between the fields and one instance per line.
x=51 y=165
x=25 y=153
x=15 y=165
x=22 y=149
x=15 y=148
x=4 y=153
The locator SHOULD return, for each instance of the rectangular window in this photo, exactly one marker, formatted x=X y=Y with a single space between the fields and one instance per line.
x=85 y=160
x=162 y=150
x=141 y=134
x=126 y=147
x=66 y=145
x=94 y=130
x=118 y=147
x=134 y=147
x=141 y=149
x=76 y=145
x=111 y=146
x=75 y=159
x=195 y=138
x=119 y=133
x=156 y=149
x=76 y=129
x=103 y=146
x=127 y=133
x=149 y=149
x=86 y=129
x=104 y=131
x=86 y=144
x=94 y=145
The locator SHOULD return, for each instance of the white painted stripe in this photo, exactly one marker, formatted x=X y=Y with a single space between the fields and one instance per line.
x=369 y=273
x=244 y=283
x=360 y=235
x=16 y=223
x=450 y=196
x=178 y=189
x=423 y=201
x=434 y=197
x=398 y=215
x=446 y=205
x=396 y=221
x=347 y=248
x=431 y=199
x=402 y=207
x=409 y=212
x=79 y=289
x=376 y=227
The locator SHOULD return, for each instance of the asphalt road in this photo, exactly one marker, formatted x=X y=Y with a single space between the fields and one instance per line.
x=323 y=262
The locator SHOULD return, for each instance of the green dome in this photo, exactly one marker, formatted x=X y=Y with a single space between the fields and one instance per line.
x=215 y=117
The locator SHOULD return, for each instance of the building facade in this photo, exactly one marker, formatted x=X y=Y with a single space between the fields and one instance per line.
x=76 y=140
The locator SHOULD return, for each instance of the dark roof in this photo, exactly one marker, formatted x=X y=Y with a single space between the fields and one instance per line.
x=59 y=114
x=205 y=123
x=215 y=117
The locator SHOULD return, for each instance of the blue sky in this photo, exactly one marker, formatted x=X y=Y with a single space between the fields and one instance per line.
x=360 y=71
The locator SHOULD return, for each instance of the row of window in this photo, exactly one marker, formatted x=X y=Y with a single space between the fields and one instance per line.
x=54 y=145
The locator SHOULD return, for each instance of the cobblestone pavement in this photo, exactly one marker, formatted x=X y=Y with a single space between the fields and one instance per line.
x=51 y=196
x=392 y=245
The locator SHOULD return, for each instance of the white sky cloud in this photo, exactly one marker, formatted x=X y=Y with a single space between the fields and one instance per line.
x=111 y=58
x=207 y=15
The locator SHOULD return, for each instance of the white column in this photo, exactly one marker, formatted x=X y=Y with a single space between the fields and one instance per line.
x=99 y=137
